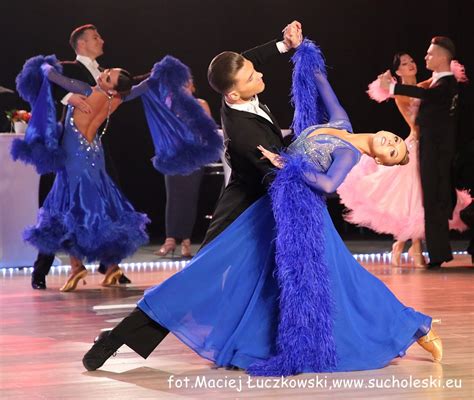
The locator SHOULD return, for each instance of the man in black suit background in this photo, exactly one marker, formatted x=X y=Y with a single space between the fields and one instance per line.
x=88 y=46
x=247 y=123
x=437 y=119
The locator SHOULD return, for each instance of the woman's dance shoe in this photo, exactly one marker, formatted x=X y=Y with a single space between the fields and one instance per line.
x=397 y=249
x=432 y=343
x=186 y=248
x=418 y=258
x=168 y=247
x=73 y=280
x=112 y=278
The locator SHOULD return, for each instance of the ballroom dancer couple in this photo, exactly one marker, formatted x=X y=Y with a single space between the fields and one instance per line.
x=407 y=202
x=88 y=45
x=85 y=214
x=274 y=290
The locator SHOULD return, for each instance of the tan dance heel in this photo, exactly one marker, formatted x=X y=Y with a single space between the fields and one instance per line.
x=73 y=280
x=433 y=344
x=186 y=248
x=418 y=258
x=168 y=247
x=397 y=249
x=112 y=278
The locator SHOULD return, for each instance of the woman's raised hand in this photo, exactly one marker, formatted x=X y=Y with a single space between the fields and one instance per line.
x=275 y=159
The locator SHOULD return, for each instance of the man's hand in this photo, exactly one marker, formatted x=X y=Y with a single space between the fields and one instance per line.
x=385 y=80
x=79 y=101
x=293 y=35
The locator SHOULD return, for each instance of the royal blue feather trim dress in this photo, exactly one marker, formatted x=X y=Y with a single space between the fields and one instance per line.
x=319 y=310
x=85 y=214
x=278 y=292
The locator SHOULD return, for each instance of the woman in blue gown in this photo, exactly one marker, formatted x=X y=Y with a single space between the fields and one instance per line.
x=85 y=214
x=278 y=292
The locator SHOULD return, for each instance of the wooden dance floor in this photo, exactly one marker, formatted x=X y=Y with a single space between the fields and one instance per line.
x=44 y=335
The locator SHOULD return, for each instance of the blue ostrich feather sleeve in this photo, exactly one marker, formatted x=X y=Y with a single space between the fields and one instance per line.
x=312 y=96
x=137 y=90
x=41 y=146
x=184 y=136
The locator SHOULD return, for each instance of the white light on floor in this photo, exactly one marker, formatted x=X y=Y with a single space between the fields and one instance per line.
x=180 y=264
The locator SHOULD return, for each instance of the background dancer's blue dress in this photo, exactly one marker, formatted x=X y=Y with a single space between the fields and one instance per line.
x=278 y=292
x=85 y=214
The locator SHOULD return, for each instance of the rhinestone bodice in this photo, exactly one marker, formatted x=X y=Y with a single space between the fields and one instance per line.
x=81 y=155
x=319 y=148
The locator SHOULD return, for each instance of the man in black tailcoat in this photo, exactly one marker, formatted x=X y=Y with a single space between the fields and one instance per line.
x=247 y=123
x=437 y=119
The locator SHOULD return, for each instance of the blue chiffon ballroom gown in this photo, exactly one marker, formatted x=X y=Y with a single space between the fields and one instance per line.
x=278 y=292
x=85 y=214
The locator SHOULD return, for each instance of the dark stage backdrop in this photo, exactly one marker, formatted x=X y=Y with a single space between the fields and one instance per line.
x=358 y=38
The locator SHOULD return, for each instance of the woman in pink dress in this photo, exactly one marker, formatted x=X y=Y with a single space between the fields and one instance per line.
x=389 y=200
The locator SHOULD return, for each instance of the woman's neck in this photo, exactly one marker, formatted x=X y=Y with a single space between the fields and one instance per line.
x=409 y=80
x=361 y=141
x=100 y=90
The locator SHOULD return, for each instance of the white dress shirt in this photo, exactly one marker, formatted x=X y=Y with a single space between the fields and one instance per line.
x=91 y=65
x=251 y=106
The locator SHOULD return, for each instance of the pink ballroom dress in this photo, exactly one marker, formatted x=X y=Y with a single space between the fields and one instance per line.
x=390 y=199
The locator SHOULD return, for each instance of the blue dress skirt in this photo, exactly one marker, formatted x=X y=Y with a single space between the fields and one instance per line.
x=225 y=304
x=85 y=214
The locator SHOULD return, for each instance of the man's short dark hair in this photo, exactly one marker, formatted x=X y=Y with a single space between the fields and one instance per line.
x=77 y=33
x=446 y=43
x=222 y=70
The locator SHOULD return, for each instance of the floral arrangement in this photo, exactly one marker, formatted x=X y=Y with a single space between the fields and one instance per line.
x=18 y=116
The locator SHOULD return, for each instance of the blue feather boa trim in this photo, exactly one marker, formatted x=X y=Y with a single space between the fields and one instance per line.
x=30 y=79
x=111 y=243
x=41 y=146
x=36 y=153
x=309 y=109
x=185 y=138
x=305 y=340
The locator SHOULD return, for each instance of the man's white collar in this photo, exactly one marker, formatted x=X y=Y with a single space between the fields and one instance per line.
x=87 y=61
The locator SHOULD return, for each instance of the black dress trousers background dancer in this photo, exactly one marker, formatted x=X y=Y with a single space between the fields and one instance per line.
x=182 y=197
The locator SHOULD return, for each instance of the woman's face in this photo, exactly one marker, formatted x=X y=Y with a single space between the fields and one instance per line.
x=108 y=79
x=407 y=67
x=388 y=148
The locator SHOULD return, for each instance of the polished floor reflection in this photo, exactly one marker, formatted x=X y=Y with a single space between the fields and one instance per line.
x=44 y=334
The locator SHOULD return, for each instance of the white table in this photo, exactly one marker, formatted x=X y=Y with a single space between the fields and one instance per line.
x=19 y=185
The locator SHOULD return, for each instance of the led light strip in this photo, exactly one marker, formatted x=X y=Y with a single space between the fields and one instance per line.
x=178 y=265
x=134 y=266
